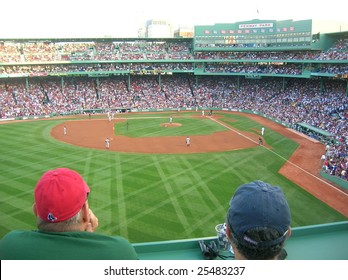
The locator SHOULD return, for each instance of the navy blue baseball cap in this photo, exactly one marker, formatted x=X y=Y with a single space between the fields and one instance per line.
x=258 y=204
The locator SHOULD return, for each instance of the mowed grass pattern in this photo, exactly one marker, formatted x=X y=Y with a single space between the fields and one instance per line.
x=149 y=197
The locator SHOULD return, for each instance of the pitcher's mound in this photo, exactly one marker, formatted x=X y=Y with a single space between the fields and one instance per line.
x=170 y=124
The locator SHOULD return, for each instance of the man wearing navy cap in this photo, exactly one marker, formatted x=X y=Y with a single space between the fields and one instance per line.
x=258 y=222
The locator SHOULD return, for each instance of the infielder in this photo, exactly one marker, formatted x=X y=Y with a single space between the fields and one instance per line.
x=188 y=141
x=107 y=143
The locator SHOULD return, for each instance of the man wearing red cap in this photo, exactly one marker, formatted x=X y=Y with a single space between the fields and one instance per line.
x=65 y=224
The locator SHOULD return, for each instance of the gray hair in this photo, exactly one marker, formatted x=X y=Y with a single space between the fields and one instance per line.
x=68 y=225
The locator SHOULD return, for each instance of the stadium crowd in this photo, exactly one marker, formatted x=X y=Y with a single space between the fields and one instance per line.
x=47 y=51
x=226 y=67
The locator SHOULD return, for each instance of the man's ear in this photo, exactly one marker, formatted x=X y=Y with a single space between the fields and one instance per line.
x=289 y=233
x=234 y=249
x=85 y=212
x=228 y=232
x=34 y=209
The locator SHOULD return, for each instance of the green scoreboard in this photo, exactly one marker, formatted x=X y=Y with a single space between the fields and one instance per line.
x=254 y=34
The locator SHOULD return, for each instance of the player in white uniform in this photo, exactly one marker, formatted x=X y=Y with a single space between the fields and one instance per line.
x=188 y=141
x=107 y=143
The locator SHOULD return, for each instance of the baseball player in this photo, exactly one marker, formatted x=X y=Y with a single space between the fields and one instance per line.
x=171 y=120
x=188 y=141
x=262 y=130
x=64 y=130
x=107 y=143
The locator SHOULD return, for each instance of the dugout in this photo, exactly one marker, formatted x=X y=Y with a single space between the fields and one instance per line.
x=314 y=132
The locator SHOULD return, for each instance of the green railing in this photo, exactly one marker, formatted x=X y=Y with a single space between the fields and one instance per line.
x=316 y=242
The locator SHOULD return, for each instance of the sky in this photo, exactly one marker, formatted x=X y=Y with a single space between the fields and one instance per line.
x=123 y=18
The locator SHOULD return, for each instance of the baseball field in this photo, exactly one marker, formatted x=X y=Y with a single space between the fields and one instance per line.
x=149 y=186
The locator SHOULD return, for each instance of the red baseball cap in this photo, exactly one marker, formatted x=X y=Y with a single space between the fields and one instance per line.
x=60 y=194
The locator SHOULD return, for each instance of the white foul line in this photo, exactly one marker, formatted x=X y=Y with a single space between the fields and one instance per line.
x=332 y=186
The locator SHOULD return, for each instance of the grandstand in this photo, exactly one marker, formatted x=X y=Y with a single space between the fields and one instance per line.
x=278 y=70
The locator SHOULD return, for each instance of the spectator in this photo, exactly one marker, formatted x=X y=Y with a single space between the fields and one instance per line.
x=65 y=224
x=258 y=222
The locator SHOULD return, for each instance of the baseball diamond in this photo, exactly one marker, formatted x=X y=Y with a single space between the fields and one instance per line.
x=188 y=184
x=302 y=168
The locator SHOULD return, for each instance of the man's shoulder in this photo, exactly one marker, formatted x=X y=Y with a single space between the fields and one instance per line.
x=77 y=245
x=96 y=236
x=18 y=233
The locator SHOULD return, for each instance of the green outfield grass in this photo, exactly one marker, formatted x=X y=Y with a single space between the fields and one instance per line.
x=149 y=197
x=150 y=126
